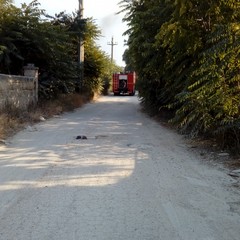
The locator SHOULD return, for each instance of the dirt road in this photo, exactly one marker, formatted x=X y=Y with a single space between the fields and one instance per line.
x=130 y=180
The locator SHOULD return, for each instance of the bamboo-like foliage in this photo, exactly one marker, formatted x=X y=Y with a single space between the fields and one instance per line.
x=187 y=56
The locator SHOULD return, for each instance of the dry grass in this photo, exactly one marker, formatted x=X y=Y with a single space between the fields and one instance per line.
x=13 y=120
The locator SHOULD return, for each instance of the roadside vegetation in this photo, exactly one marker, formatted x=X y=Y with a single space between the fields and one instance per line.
x=187 y=58
x=14 y=119
x=29 y=35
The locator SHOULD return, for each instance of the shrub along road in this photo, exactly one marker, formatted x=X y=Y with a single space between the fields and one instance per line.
x=131 y=179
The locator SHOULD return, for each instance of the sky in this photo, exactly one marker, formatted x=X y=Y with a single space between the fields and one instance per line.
x=104 y=14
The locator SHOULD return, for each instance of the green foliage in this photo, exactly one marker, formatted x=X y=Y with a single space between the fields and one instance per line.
x=29 y=35
x=187 y=57
x=212 y=97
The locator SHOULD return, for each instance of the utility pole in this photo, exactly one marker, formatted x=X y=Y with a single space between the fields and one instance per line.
x=80 y=47
x=112 y=43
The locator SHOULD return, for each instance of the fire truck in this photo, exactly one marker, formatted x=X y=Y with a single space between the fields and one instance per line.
x=124 y=83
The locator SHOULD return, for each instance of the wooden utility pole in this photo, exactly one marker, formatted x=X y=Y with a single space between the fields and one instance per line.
x=80 y=47
x=112 y=43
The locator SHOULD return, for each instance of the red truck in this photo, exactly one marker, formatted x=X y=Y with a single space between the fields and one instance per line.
x=124 y=83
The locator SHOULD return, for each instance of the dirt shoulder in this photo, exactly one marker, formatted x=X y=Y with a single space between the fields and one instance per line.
x=13 y=120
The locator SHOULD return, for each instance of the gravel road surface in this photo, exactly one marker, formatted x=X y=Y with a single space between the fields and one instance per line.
x=132 y=179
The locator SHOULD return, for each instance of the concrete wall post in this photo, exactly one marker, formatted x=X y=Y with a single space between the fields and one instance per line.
x=31 y=71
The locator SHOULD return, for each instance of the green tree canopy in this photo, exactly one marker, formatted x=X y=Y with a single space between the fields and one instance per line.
x=29 y=35
x=186 y=54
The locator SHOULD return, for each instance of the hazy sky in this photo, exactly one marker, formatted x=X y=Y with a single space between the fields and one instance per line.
x=104 y=14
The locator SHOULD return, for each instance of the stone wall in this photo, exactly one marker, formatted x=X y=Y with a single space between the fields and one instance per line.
x=18 y=91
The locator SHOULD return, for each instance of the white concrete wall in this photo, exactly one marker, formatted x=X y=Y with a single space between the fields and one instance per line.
x=19 y=91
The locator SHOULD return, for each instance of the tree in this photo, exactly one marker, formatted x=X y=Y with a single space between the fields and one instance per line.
x=29 y=35
x=186 y=54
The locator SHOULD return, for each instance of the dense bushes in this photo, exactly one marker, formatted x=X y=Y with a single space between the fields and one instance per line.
x=29 y=35
x=187 y=56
